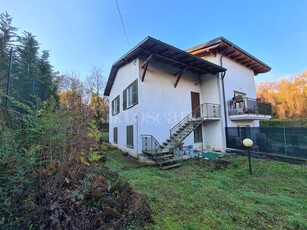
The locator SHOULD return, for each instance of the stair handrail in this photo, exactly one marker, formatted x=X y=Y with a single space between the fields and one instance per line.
x=154 y=139
x=157 y=144
x=185 y=119
x=182 y=121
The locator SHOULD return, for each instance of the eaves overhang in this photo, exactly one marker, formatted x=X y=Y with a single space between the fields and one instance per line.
x=151 y=48
x=228 y=49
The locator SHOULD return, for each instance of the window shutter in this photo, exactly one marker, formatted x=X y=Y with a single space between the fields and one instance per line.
x=135 y=92
x=113 y=107
x=129 y=136
x=115 y=133
x=125 y=99
x=118 y=104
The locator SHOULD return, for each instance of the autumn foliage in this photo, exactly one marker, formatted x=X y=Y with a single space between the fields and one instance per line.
x=288 y=97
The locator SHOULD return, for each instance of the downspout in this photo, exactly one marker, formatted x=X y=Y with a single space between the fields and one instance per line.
x=224 y=101
x=223 y=90
x=137 y=137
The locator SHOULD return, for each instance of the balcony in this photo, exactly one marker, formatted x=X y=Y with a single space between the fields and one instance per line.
x=207 y=111
x=244 y=108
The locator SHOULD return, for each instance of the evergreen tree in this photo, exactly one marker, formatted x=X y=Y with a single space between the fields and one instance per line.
x=45 y=85
x=7 y=38
x=27 y=71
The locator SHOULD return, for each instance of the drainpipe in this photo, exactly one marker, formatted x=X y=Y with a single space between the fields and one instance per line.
x=224 y=100
x=137 y=137
x=223 y=90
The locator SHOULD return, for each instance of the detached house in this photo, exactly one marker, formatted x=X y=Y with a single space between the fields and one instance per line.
x=161 y=96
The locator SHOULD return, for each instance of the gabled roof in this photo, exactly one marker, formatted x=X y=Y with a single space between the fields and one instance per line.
x=162 y=52
x=225 y=47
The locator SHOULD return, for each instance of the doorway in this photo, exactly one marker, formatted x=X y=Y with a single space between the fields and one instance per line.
x=195 y=101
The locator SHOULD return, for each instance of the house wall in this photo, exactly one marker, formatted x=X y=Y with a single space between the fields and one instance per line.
x=242 y=79
x=212 y=135
x=124 y=77
x=162 y=105
x=238 y=78
x=213 y=131
x=210 y=89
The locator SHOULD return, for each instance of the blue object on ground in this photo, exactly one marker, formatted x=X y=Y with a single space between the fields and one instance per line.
x=191 y=151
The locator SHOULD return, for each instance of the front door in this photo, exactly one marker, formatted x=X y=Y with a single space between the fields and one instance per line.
x=195 y=104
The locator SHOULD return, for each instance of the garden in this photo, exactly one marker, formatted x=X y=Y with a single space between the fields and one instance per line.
x=200 y=195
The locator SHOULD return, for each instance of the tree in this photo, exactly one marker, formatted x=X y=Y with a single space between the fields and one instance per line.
x=46 y=86
x=288 y=98
x=7 y=38
x=98 y=104
x=27 y=67
x=71 y=92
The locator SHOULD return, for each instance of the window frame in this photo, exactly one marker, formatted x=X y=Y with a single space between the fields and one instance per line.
x=130 y=95
x=129 y=139
x=116 y=106
x=115 y=135
x=198 y=139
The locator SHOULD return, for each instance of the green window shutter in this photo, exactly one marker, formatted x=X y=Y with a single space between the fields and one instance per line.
x=118 y=104
x=113 y=107
x=135 y=92
x=115 y=135
x=125 y=99
x=129 y=136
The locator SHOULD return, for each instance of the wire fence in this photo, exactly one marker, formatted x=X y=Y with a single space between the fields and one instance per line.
x=287 y=141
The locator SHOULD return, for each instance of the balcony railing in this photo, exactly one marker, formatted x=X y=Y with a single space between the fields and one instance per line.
x=249 y=106
x=206 y=111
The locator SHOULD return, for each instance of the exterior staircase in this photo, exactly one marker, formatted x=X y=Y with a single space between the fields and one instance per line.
x=167 y=155
x=179 y=133
x=164 y=157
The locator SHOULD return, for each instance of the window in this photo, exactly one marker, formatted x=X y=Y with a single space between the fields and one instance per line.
x=115 y=135
x=244 y=131
x=198 y=134
x=115 y=106
x=129 y=134
x=130 y=95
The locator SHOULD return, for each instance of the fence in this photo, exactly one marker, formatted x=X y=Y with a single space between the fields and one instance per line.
x=288 y=141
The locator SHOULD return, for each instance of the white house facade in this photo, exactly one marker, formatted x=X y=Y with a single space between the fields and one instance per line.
x=239 y=81
x=173 y=96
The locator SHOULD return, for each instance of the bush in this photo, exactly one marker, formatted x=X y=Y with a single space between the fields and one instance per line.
x=285 y=122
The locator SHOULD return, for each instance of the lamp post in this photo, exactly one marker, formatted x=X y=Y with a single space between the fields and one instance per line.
x=248 y=143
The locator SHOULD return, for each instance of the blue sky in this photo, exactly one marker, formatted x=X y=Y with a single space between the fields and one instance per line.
x=80 y=34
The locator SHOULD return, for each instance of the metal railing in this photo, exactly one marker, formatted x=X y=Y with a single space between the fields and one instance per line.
x=250 y=106
x=204 y=111
x=152 y=146
x=287 y=141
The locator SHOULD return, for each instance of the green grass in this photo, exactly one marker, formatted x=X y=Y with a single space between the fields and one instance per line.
x=196 y=196
x=105 y=136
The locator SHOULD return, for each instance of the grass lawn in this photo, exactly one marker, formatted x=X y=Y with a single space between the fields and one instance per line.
x=197 y=196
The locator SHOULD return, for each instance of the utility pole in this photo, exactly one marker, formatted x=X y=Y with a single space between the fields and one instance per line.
x=9 y=77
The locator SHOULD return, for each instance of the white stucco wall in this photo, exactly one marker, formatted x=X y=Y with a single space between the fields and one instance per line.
x=213 y=131
x=212 y=135
x=162 y=105
x=238 y=78
x=210 y=89
x=124 y=77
